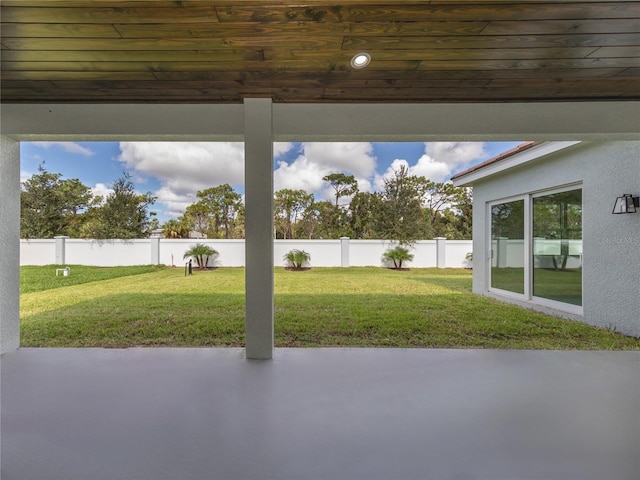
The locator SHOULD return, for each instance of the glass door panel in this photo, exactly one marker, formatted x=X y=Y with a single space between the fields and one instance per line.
x=557 y=247
x=508 y=246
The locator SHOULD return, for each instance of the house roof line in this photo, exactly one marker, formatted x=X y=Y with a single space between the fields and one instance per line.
x=523 y=153
x=503 y=156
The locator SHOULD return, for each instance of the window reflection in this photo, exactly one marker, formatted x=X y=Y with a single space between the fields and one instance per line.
x=507 y=246
x=557 y=247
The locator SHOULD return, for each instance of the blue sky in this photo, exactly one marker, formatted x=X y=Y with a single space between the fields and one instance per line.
x=174 y=172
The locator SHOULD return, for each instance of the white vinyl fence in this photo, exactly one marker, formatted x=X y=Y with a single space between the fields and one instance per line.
x=342 y=252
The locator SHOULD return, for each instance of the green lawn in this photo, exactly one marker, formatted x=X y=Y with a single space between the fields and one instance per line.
x=360 y=307
x=37 y=279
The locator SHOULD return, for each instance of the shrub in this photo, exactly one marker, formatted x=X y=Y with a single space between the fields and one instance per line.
x=201 y=253
x=397 y=255
x=297 y=259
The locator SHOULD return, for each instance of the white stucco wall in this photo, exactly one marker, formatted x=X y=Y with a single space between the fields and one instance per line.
x=611 y=243
x=37 y=252
x=231 y=253
x=108 y=253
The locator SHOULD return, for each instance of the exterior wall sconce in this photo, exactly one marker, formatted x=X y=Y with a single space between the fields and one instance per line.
x=626 y=204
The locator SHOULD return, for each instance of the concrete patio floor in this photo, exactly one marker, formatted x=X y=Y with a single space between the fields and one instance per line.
x=154 y=414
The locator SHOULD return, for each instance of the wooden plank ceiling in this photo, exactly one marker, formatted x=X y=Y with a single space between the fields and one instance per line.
x=222 y=51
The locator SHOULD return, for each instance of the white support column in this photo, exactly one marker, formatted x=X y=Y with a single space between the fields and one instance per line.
x=258 y=168
x=10 y=241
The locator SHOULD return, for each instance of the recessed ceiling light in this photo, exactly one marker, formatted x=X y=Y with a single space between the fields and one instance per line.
x=360 y=60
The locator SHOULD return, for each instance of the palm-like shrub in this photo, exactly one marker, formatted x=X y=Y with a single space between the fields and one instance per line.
x=397 y=255
x=297 y=259
x=201 y=253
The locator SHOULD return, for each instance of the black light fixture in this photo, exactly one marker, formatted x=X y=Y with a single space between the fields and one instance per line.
x=627 y=203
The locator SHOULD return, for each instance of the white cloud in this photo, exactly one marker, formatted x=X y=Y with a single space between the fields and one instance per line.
x=24 y=176
x=301 y=174
x=280 y=148
x=431 y=169
x=379 y=179
x=347 y=157
x=187 y=166
x=439 y=162
x=364 y=185
x=175 y=204
x=455 y=154
x=102 y=190
x=184 y=168
x=69 y=147
x=318 y=159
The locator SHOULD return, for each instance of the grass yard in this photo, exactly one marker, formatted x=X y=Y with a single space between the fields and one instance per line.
x=37 y=279
x=354 y=307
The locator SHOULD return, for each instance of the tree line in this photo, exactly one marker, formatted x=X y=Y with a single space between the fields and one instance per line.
x=51 y=206
x=408 y=208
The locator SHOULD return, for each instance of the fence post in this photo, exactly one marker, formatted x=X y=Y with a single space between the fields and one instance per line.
x=344 y=251
x=441 y=252
x=155 y=249
x=61 y=249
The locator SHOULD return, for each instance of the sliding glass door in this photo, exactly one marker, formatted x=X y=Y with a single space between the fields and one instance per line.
x=536 y=248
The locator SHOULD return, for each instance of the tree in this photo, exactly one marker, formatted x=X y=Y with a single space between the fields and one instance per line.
x=175 y=229
x=464 y=208
x=222 y=204
x=239 y=223
x=310 y=223
x=403 y=198
x=288 y=206
x=438 y=197
x=51 y=206
x=449 y=211
x=366 y=212
x=323 y=220
x=343 y=185
x=124 y=214
x=76 y=199
x=196 y=218
x=40 y=206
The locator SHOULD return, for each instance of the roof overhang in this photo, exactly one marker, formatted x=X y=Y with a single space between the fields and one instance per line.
x=224 y=51
x=548 y=121
x=508 y=162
